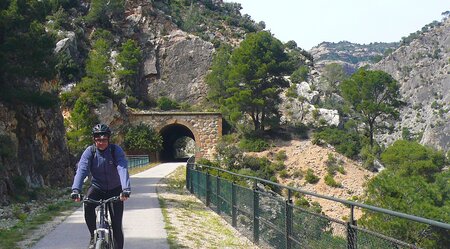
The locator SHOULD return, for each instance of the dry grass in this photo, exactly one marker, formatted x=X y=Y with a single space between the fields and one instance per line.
x=189 y=223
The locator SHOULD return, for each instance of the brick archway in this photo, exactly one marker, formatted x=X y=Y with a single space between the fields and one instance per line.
x=206 y=127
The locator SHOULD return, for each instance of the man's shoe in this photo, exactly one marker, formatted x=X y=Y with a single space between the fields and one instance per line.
x=91 y=243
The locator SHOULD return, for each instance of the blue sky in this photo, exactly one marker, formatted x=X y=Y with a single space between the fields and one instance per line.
x=310 y=22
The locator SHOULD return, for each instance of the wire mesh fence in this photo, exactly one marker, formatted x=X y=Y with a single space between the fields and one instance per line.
x=137 y=160
x=257 y=210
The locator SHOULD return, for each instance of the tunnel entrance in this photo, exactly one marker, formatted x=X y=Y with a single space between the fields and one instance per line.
x=178 y=143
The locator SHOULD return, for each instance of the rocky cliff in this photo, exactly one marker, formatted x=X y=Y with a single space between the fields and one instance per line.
x=423 y=70
x=33 y=150
x=174 y=61
x=351 y=55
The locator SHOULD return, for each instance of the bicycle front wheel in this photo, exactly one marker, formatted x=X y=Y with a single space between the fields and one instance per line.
x=101 y=244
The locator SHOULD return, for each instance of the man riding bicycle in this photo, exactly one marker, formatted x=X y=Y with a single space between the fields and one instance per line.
x=109 y=169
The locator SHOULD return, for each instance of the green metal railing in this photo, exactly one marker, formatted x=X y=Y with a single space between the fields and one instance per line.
x=273 y=221
x=137 y=160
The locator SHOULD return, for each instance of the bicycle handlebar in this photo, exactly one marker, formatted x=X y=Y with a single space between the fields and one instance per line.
x=99 y=202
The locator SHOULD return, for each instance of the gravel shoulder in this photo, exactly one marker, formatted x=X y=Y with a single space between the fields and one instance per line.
x=190 y=224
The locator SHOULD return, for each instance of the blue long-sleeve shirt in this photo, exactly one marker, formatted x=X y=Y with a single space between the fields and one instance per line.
x=105 y=175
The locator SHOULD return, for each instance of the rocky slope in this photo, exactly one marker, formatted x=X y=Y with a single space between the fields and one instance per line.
x=423 y=70
x=303 y=155
x=351 y=55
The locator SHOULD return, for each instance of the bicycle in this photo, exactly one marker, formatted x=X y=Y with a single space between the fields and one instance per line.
x=103 y=235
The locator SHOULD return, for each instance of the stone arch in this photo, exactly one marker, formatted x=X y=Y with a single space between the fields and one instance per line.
x=206 y=127
x=172 y=130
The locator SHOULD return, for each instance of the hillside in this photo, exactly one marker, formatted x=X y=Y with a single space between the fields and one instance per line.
x=303 y=155
x=422 y=69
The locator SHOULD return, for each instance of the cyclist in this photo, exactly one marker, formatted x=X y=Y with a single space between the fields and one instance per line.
x=107 y=164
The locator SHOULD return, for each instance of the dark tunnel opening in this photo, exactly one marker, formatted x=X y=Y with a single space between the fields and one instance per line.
x=176 y=138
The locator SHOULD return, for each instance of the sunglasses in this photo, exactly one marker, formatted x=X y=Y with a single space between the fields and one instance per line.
x=101 y=140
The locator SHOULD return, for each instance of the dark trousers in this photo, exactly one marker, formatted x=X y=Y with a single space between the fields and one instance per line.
x=115 y=211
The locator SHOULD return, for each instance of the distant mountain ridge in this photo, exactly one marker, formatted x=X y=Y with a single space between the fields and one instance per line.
x=353 y=54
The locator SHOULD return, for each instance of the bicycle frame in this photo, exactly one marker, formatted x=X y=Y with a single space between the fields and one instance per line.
x=103 y=233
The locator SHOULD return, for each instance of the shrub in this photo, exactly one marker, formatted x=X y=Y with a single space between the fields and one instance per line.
x=345 y=142
x=165 y=104
x=301 y=74
x=278 y=166
x=281 y=155
x=311 y=177
x=284 y=173
x=292 y=91
x=142 y=138
x=334 y=165
x=253 y=144
x=329 y=180
x=302 y=202
x=132 y=101
x=228 y=155
x=297 y=174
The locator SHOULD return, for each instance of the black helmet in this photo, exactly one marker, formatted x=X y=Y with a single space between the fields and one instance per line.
x=101 y=129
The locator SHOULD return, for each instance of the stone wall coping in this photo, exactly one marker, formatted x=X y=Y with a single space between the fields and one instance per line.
x=177 y=113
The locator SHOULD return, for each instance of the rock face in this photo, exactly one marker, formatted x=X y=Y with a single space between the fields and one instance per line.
x=351 y=55
x=423 y=70
x=33 y=150
x=175 y=62
x=183 y=62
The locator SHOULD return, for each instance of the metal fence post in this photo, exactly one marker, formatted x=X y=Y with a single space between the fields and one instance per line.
x=188 y=177
x=255 y=213
x=288 y=217
x=218 y=191
x=208 y=189
x=351 y=233
x=233 y=205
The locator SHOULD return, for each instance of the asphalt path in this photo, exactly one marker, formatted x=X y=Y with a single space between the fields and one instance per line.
x=143 y=223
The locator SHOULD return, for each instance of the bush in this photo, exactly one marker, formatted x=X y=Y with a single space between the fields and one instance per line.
x=284 y=174
x=302 y=202
x=329 y=180
x=301 y=74
x=334 y=165
x=142 y=138
x=297 y=174
x=253 y=144
x=345 y=142
x=166 y=104
x=278 y=166
x=228 y=155
x=311 y=177
x=281 y=155
x=132 y=101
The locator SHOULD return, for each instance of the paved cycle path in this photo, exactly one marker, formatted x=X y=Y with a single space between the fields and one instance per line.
x=143 y=224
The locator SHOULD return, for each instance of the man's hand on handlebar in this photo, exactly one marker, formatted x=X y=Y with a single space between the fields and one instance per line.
x=76 y=196
x=125 y=195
